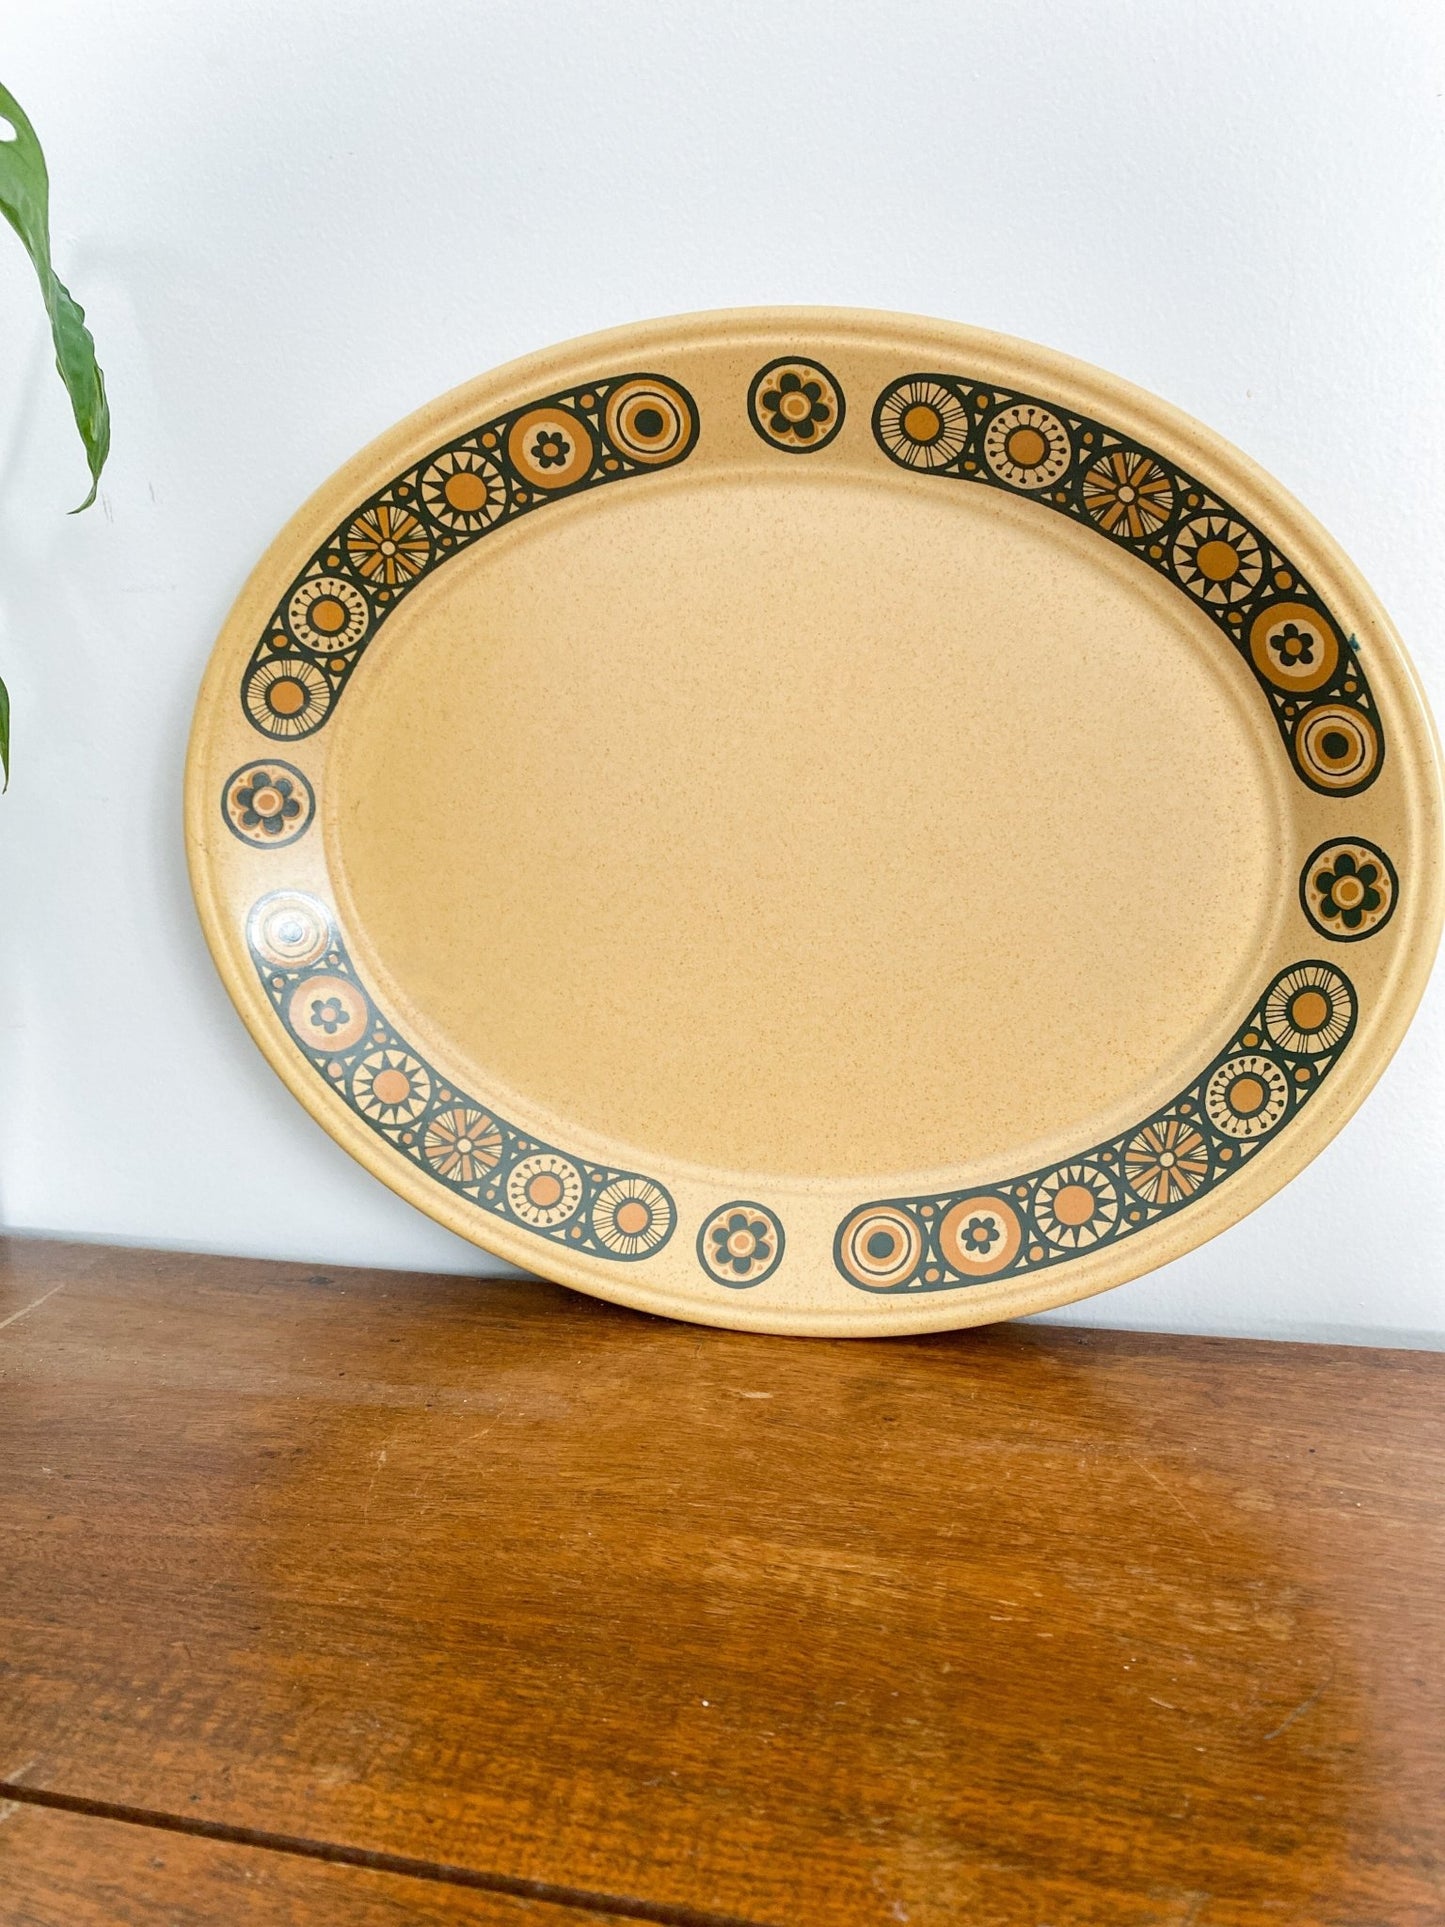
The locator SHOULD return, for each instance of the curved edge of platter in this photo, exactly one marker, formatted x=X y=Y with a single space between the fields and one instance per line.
x=1415 y=751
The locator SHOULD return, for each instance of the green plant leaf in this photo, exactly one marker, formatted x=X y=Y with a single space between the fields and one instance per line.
x=4 y=733
x=25 y=203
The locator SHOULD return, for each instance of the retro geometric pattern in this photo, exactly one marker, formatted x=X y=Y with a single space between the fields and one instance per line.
x=1273 y=1064
x=951 y=426
x=451 y=1137
x=332 y=612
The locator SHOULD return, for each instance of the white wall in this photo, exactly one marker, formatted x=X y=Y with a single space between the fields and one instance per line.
x=292 y=223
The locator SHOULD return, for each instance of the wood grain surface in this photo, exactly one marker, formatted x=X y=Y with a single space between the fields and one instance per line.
x=69 y=1870
x=1015 y=1627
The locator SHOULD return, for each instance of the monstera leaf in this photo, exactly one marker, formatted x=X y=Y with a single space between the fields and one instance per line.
x=25 y=203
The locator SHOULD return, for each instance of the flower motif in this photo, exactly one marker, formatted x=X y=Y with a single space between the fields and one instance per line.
x=267 y=803
x=979 y=1236
x=1348 y=892
x=796 y=407
x=329 y=1014
x=740 y=1242
x=551 y=448
x=1348 y=889
x=1295 y=647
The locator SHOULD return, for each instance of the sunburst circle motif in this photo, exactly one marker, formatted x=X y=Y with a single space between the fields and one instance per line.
x=922 y=423
x=631 y=1216
x=391 y=1087
x=287 y=696
x=328 y=614
x=462 y=1144
x=464 y=490
x=1027 y=446
x=388 y=545
x=1128 y=494
x=1076 y=1205
x=1217 y=559
x=1309 y=1010
x=1167 y=1161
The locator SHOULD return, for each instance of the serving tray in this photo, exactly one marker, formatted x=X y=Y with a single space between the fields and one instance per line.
x=816 y=821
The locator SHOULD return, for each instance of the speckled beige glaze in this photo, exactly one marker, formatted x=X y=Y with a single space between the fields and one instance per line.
x=793 y=828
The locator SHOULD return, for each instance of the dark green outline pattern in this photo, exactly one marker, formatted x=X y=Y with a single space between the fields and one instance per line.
x=1328 y=850
x=1303 y=1075
x=1090 y=440
x=488 y=1193
x=611 y=463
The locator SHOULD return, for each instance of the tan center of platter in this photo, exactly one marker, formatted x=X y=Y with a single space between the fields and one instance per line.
x=761 y=823
x=816 y=822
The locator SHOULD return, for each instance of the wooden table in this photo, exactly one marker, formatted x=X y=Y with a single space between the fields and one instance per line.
x=355 y=1597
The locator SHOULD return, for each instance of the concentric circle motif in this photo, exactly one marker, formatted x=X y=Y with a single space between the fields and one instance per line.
x=649 y=420
x=1027 y=446
x=1337 y=747
x=287 y=696
x=1076 y=1205
x=795 y=405
x=631 y=1216
x=328 y=614
x=1127 y=493
x=1294 y=646
x=328 y=1014
x=464 y=490
x=550 y=448
x=1167 y=1161
x=1247 y=1096
x=1309 y=1010
x=922 y=422
x=980 y=1235
x=461 y=1144
x=741 y=1244
x=1218 y=559
x=1349 y=889
x=544 y=1190
x=289 y=929
x=388 y=546
x=268 y=804
x=879 y=1247
x=391 y=1087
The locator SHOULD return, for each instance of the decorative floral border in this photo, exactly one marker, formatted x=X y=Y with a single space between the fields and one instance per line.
x=485 y=479
x=456 y=1140
x=952 y=427
x=1273 y=1064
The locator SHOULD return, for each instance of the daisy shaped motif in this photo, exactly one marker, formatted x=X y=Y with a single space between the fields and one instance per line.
x=741 y=1244
x=795 y=405
x=268 y=804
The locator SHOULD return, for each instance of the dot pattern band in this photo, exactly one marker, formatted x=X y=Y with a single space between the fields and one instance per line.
x=609 y=431
x=1268 y=1071
x=454 y=1139
x=948 y=425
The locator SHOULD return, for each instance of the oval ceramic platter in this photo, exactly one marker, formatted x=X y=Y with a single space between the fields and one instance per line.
x=817 y=821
